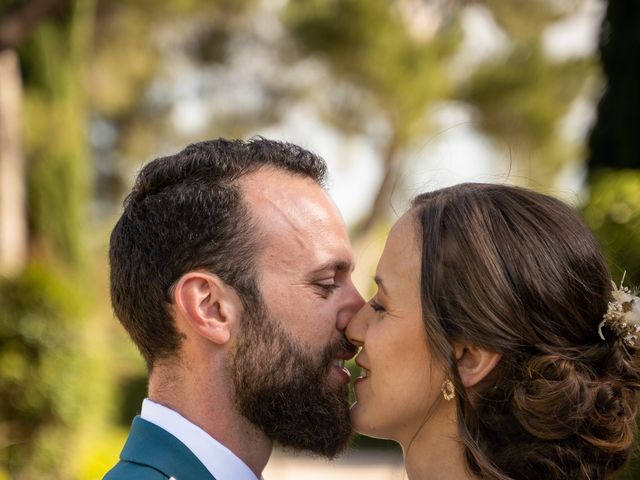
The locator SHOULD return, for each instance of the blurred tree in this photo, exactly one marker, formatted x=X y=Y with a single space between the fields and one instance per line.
x=19 y=18
x=17 y=21
x=521 y=19
x=613 y=213
x=51 y=379
x=396 y=61
x=48 y=381
x=522 y=95
x=614 y=158
x=13 y=222
x=134 y=51
x=397 y=57
x=520 y=102
x=613 y=208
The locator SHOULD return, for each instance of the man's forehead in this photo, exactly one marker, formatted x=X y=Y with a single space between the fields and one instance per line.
x=293 y=211
x=275 y=183
x=279 y=199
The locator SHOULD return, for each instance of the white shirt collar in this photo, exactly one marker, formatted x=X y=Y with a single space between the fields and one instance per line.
x=221 y=462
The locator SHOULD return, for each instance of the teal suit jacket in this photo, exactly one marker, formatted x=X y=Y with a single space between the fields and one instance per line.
x=152 y=453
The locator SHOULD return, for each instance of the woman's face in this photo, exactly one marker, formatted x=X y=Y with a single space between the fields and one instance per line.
x=400 y=382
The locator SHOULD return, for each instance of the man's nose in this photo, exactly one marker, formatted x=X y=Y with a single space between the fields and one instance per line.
x=353 y=303
x=357 y=328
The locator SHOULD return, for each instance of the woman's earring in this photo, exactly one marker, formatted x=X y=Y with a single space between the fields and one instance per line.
x=448 y=390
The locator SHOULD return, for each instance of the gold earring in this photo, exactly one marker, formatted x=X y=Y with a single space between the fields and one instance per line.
x=448 y=390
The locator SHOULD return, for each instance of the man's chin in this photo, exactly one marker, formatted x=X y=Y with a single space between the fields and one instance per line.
x=319 y=424
x=298 y=400
x=329 y=449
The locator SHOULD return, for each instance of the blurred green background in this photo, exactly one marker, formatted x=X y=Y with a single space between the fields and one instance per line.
x=91 y=89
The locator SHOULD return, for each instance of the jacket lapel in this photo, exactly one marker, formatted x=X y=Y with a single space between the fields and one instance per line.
x=151 y=445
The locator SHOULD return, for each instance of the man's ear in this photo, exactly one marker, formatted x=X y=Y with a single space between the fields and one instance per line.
x=208 y=305
x=474 y=363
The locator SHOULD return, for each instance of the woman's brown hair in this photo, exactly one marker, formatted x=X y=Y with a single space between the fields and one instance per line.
x=517 y=272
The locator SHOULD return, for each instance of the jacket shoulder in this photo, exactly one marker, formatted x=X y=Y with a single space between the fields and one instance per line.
x=152 y=453
x=133 y=471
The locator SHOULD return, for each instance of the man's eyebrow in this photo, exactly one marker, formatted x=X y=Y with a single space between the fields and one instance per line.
x=380 y=284
x=334 y=265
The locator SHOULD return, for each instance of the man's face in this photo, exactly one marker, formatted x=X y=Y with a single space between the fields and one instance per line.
x=288 y=361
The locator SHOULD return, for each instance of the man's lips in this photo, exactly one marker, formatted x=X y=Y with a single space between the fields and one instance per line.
x=345 y=355
x=338 y=364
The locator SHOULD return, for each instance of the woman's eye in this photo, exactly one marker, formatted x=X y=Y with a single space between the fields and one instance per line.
x=376 y=306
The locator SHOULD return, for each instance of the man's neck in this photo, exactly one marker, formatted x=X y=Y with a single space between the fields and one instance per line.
x=213 y=411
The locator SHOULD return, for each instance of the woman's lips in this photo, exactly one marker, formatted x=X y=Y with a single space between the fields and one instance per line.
x=364 y=372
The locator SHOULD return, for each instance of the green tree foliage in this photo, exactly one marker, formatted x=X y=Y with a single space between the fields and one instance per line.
x=522 y=19
x=399 y=71
x=127 y=52
x=613 y=212
x=369 y=43
x=44 y=376
x=613 y=209
x=402 y=67
x=522 y=95
x=50 y=378
x=521 y=99
x=55 y=109
x=130 y=48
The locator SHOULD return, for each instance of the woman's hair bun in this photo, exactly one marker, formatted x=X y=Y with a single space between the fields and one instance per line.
x=560 y=398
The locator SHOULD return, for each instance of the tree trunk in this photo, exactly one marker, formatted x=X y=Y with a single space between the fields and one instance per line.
x=13 y=224
x=614 y=141
x=385 y=190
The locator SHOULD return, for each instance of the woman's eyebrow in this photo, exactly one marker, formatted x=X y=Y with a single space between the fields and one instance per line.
x=380 y=284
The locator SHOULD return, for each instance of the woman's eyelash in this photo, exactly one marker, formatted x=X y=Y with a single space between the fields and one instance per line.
x=376 y=306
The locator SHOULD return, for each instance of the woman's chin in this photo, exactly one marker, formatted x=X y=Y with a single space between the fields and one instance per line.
x=356 y=418
x=361 y=424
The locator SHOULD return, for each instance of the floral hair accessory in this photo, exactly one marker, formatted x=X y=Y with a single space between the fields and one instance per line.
x=623 y=315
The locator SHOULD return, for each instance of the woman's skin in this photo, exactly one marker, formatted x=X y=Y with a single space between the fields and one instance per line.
x=399 y=393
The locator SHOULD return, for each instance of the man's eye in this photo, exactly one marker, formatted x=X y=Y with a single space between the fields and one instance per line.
x=327 y=288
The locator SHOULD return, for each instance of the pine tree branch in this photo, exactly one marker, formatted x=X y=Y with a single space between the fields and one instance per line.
x=17 y=23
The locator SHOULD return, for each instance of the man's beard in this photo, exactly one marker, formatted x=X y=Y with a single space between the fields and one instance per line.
x=286 y=390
